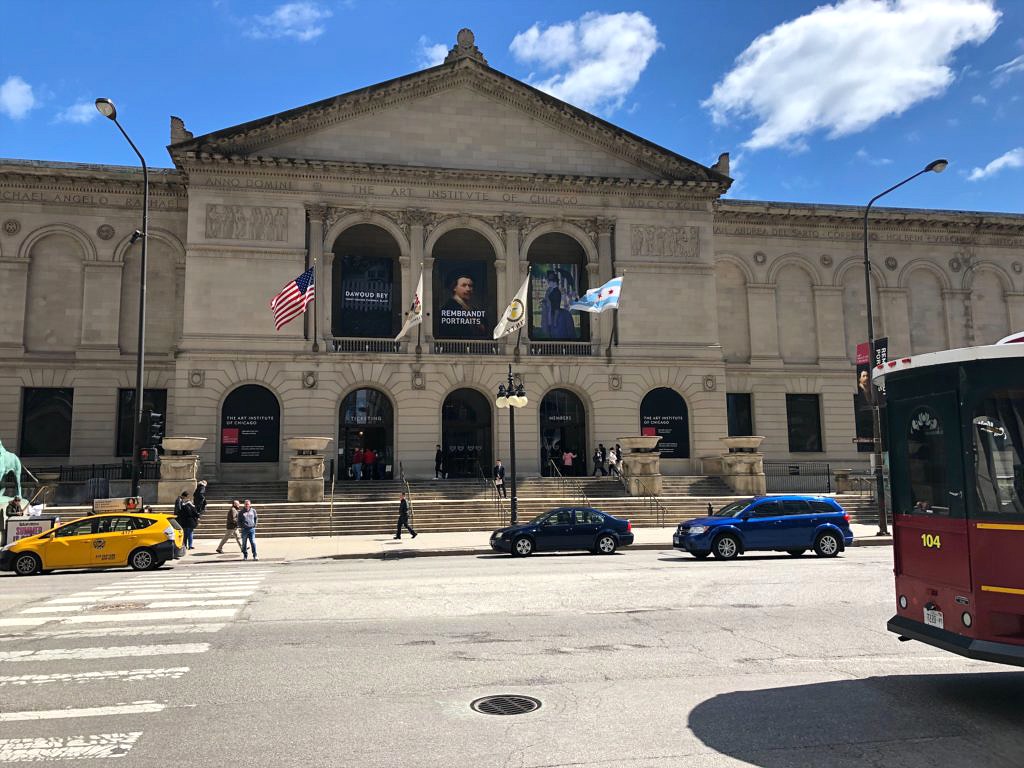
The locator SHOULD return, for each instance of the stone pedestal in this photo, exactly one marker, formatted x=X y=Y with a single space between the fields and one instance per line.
x=178 y=468
x=641 y=465
x=742 y=466
x=306 y=468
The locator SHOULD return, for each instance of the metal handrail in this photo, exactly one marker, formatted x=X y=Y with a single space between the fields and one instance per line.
x=570 y=484
x=651 y=501
x=497 y=500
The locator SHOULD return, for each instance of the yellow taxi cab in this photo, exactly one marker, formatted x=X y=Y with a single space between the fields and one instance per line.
x=142 y=540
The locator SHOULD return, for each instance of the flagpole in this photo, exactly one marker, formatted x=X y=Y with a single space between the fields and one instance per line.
x=316 y=343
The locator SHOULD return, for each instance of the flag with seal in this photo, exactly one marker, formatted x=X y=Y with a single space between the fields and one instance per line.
x=515 y=316
x=415 y=311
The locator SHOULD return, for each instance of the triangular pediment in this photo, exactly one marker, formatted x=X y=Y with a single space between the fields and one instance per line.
x=459 y=115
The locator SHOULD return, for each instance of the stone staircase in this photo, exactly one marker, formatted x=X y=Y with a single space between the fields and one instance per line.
x=371 y=507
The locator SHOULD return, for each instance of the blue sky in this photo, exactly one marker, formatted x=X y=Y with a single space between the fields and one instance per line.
x=817 y=103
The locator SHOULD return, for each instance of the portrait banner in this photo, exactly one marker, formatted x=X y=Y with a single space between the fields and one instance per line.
x=553 y=289
x=462 y=295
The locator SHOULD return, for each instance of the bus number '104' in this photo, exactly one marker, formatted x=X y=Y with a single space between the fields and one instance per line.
x=931 y=541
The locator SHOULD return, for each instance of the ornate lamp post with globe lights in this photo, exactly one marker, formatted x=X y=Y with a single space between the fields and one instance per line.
x=512 y=395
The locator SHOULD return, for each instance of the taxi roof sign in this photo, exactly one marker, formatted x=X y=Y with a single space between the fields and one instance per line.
x=125 y=504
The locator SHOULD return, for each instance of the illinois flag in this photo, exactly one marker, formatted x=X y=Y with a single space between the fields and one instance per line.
x=293 y=299
x=515 y=316
x=415 y=311
x=600 y=299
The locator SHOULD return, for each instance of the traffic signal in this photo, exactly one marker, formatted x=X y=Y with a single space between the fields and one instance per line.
x=155 y=430
x=147 y=454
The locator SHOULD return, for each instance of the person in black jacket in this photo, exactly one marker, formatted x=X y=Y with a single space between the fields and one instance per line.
x=403 y=518
x=499 y=478
x=199 y=499
x=185 y=512
x=438 y=462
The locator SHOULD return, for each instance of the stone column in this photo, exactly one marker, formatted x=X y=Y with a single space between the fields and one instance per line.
x=764 y=326
x=601 y=325
x=101 y=304
x=316 y=213
x=13 y=290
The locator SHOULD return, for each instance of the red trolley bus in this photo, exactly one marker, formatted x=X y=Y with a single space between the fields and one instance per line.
x=956 y=458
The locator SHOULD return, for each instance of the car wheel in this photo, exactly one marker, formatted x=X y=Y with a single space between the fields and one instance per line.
x=700 y=555
x=606 y=545
x=522 y=547
x=726 y=547
x=142 y=559
x=27 y=564
x=827 y=545
x=794 y=552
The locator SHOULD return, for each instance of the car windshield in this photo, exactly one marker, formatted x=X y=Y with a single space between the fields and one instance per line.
x=541 y=517
x=732 y=509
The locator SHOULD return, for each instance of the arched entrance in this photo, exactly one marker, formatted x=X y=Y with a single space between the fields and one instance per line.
x=558 y=276
x=563 y=428
x=365 y=284
x=663 y=412
x=465 y=286
x=250 y=426
x=366 y=421
x=466 y=433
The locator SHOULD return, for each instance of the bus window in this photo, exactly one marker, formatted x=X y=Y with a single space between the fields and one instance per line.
x=999 y=454
x=926 y=462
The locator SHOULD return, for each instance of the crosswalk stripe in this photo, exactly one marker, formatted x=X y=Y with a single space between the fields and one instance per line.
x=192 y=603
x=134 y=708
x=23 y=622
x=113 y=618
x=99 y=745
x=55 y=609
x=178 y=586
x=133 y=631
x=154 y=595
x=121 y=675
x=111 y=652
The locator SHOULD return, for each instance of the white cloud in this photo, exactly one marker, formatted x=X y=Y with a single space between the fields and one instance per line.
x=82 y=112
x=596 y=60
x=867 y=157
x=843 y=67
x=301 y=20
x=978 y=99
x=430 y=54
x=1004 y=71
x=16 y=98
x=1012 y=159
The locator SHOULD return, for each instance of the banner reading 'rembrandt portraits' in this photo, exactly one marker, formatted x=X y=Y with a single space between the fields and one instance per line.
x=462 y=296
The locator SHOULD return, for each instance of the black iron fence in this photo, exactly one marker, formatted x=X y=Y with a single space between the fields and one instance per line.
x=79 y=473
x=798 y=476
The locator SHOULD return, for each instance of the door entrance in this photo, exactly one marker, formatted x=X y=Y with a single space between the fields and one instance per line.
x=466 y=433
x=366 y=431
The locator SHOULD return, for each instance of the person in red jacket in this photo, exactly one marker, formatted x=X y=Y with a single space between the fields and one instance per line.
x=370 y=464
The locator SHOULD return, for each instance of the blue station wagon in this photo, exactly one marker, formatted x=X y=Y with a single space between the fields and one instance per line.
x=790 y=524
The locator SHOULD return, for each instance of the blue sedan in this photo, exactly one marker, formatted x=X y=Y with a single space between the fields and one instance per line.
x=565 y=528
x=790 y=524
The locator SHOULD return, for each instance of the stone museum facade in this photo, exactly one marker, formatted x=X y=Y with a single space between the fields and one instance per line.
x=738 y=317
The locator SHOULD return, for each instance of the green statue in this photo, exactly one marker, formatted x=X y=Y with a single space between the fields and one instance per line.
x=10 y=463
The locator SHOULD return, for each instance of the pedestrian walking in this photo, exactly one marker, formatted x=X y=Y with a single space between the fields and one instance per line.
x=13 y=507
x=199 y=499
x=231 y=527
x=403 y=518
x=438 y=463
x=568 y=457
x=613 y=462
x=618 y=459
x=600 y=456
x=185 y=512
x=247 y=525
x=357 y=464
x=499 y=478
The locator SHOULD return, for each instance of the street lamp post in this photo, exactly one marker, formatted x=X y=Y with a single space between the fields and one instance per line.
x=935 y=166
x=512 y=395
x=107 y=109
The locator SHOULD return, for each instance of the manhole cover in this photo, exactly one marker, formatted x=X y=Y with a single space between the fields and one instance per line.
x=505 y=705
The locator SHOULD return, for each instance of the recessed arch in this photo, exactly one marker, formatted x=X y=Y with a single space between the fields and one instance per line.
x=733 y=309
x=467 y=432
x=55 y=292
x=926 y=304
x=664 y=412
x=558 y=277
x=990 y=317
x=903 y=279
x=250 y=424
x=366 y=421
x=464 y=281
x=164 y=236
x=563 y=431
x=839 y=278
x=366 y=217
x=574 y=231
x=465 y=222
x=793 y=259
x=796 y=313
x=69 y=230
x=366 y=282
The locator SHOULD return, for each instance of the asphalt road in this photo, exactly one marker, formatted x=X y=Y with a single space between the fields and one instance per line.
x=639 y=659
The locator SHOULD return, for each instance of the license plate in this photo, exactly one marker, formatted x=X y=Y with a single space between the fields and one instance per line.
x=933 y=618
x=675 y=541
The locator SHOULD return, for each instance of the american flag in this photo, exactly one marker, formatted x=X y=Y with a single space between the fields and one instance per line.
x=293 y=299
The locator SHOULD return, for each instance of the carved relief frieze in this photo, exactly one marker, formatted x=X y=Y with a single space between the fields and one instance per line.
x=246 y=222
x=652 y=242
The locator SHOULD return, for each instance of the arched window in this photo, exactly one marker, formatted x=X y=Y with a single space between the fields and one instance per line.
x=563 y=429
x=250 y=426
x=466 y=433
x=366 y=295
x=53 y=306
x=465 y=288
x=558 y=276
x=366 y=422
x=663 y=412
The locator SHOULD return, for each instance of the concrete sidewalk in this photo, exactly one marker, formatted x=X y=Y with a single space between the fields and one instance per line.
x=385 y=547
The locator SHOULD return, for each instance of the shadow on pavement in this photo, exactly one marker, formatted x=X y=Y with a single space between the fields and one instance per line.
x=910 y=721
